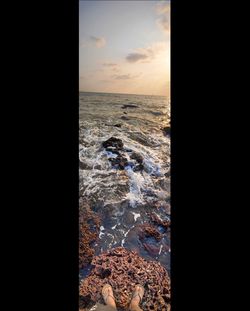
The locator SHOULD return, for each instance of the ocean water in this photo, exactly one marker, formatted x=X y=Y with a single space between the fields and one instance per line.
x=125 y=198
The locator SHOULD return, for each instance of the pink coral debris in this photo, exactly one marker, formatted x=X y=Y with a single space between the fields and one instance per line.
x=89 y=224
x=123 y=269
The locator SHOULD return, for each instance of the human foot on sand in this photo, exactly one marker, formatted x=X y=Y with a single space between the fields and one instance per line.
x=108 y=296
x=136 y=298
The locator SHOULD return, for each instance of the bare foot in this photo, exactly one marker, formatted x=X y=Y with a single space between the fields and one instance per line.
x=137 y=297
x=108 y=296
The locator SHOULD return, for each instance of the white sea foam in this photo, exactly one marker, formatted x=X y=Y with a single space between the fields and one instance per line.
x=101 y=232
x=160 y=249
x=95 y=159
x=136 y=215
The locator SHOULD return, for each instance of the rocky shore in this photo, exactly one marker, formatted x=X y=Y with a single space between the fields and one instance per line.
x=123 y=269
x=124 y=201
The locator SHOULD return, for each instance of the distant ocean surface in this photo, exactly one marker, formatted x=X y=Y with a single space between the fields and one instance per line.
x=124 y=198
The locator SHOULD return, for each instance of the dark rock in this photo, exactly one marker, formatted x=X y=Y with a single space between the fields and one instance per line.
x=113 y=142
x=115 y=145
x=153 y=250
x=123 y=163
x=166 y=130
x=139 y=159
x=164 y=184
x=138 y=168
x=127 y=149
x=149 y=231
x=136 y=156
x=156 y=113
x=83 y=166
x=116 y=125
x=129 y=106
x=125 y=112
x=164 y=223
x=128 y=219
x=142 y=139
x=119 y=161
x=167 y=174
x=97 y=167
x=124 y=118
x=167 y=208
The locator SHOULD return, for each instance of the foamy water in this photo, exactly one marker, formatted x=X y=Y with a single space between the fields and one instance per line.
x=122 y=198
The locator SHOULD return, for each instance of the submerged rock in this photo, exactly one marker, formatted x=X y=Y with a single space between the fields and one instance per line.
x=129 y=106
x=149 y=231
x=139 y=159
x=138 y=168
x=124 y=118
x=83 y=166
x=151 y=248
x=113 y=150
x=119 y=161
x=142 y=139
x=116 y=125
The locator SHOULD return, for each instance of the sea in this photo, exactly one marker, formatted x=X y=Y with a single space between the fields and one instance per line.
x=125 y=198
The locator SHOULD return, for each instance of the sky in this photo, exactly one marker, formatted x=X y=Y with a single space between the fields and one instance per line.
x=124 y=47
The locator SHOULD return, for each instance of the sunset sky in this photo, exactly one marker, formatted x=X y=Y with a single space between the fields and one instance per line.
x=125 y=47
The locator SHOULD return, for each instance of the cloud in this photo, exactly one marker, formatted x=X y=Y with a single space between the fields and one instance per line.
x=122 y=77
x=93 y=41
x=105 y=81
x=115 y=69
x=163 y=8
x=146 y=55
x=126 y=77
x=163 y=22
x=109 y=64
x=135 y=57
x=113 y=66
x=98 y=42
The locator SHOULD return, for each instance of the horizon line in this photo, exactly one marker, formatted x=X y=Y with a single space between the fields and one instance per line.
x=121 y=93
